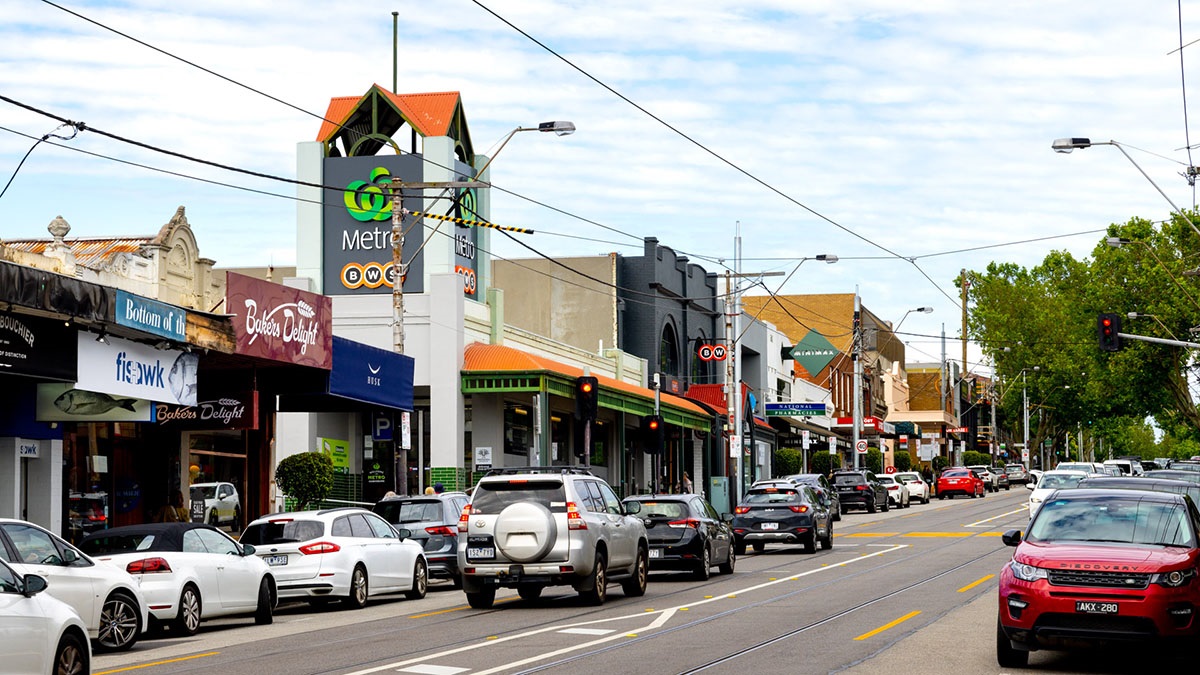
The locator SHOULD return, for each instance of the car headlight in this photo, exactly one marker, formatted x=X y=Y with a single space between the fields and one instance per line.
x=1026 y=572
x=1035 y=500
x=1173 y=579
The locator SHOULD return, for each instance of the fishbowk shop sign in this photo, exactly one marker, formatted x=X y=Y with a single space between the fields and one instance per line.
x=280 y=323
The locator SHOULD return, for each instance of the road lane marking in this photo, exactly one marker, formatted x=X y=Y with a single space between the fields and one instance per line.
x=663 y=617
x=156 y=663
x=588 y=631
x=430 y=669
x=867 y=534
x=988 y=520
x=973 y=584
x=938 y=534
x=990 y=534
x=886 y=626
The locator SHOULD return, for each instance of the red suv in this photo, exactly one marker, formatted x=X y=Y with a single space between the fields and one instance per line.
x=1098 y=566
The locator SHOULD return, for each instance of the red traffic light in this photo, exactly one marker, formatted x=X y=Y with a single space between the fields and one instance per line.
x=653 y=425
x=586 y=387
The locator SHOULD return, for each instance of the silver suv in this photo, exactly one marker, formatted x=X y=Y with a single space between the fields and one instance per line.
x=532 y=527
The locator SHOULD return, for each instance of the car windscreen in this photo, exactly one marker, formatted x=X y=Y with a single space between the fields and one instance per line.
x=282 y=532
x=908 y=478
x=1050 y=481
x=886 y=480
x=119 y=543
x=204 y=492
x=772 y=496
x=672 y=510
x=493 y=497
x=848 y=479
x=416 y=511
x=1113 y=518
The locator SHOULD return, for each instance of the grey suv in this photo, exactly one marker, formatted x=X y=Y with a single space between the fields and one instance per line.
x=532 y=527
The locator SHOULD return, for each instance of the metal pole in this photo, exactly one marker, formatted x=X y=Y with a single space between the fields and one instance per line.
x=856 y=348
x=397 y=268
x=1025 y=410
x=729 y=396
x=737 y=365
x=395 y=51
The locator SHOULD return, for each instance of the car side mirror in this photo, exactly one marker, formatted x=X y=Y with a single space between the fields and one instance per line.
x=1031 y=486
x=1011 y=538
x=727 y=517
x=33 y=585
x=248 y=549
x=632 y=508
x=403 y=533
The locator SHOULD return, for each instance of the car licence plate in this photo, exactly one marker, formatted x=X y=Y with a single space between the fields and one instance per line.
x=1085 y=607
x=656 y=553
x=770 y=526
x=275 y=560
x=478 y=552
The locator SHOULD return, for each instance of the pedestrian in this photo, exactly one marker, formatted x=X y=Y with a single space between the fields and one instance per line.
x=439 y=488
x=687 y=483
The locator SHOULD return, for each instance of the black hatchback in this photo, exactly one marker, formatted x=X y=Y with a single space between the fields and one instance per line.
x=860 y=488
x=784 y=515
x=433 y=523
x=686 y=533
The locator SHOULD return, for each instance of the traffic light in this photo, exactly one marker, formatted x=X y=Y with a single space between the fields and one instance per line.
x=1108 y=329
x=587 y=397
x=654 y=434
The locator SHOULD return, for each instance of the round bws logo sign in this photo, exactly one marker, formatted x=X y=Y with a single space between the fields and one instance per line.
x=368 y=275
x=712 y=352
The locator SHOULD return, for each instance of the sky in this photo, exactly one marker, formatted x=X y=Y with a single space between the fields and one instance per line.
x=911 y=140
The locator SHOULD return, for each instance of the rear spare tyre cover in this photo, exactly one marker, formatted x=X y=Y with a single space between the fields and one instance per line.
x=525 y=531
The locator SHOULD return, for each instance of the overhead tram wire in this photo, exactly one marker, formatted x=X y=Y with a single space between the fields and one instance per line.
x=1187 y=140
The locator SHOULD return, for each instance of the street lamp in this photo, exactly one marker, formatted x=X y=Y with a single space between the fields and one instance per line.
x=1025 y=413
x=922 y=310
x=1066 y=145
x=1135 y=315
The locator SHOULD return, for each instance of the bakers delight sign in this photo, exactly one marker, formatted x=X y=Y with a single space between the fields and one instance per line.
x=280 y=323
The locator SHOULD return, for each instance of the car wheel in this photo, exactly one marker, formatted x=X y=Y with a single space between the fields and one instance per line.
x=727 y=566
x=941 y=496
x=236 y=525
x=827 y=541
x=71 y=656
x=759 y=547
x=635 y=586
x=1006 y=656
x=187 y=620
x=871 y=506
x=420 y=584
x=704 y=567
x=1008 y=487
x=530 y=593
x=120 y=623
x=810 y=544
x=837 y=514
x=598 y=582
x=264 y=614
x=359 y=588
x=739 y=548
x=213 y=519
x=457 y=581
x=482 y=599
x=886 y=506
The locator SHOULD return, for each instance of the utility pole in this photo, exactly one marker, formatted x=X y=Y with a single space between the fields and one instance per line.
x=856 y=357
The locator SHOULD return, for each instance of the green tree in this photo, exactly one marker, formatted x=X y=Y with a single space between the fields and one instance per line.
x=787 y=461
x=874 y=460
x=902 y=460
x=823 y=463
x=973 y=458
x=306 y=477
x=940 y=462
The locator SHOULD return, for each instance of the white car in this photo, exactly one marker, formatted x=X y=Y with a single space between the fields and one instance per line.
x=990 y=480
x=1127 y=467
x=918 y=489
x=1048 y=483
x=41 y=634
x=188 y=572
x=106 y=597
x=216 y=504
x=347 y=553
x=897 y=491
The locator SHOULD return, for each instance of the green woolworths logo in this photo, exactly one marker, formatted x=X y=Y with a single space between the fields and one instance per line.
x=367 y=201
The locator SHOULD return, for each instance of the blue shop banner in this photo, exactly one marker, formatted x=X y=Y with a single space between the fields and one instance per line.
x=372 y=375
x=151 y=316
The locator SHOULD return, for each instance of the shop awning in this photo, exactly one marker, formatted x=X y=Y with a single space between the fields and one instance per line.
x=361 y=374
x=491 y=369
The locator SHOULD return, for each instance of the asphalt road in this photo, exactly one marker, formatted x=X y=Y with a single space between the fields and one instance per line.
x=920 y=576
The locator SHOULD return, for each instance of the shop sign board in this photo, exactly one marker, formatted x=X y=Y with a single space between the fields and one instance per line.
x=27 y=449
x=63 y=402
x=795 y=409
x=381 y=426
x=372 y=375
x=339 y=453
x=151 y=316
x=233 y=410
x=134 y=370
x=280 y=323
x=814 y=352
x=37 y=347
x=483 y=458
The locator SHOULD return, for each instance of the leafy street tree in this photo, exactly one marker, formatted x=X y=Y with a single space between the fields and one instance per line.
x=306 y=477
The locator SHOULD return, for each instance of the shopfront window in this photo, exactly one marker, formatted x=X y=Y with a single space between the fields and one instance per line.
x=518 y=429
x=217 y=457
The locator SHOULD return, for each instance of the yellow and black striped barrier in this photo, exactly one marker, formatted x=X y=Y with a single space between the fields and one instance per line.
x=472 y=223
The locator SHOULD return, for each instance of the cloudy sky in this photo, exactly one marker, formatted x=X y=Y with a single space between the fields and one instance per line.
x=910 y=139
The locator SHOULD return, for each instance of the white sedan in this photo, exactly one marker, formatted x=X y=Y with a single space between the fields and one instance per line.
x=897 y=491
x=106 y=597
x=918 y=489
x=1048 y=483
x=188 y=572
x=346 y=553
x=41 y=634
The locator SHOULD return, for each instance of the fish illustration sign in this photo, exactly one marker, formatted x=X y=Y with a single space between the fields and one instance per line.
x=124 y=368
x=61 y=402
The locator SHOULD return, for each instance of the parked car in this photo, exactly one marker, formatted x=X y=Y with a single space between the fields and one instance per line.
x=1190 y=476
x=960 y=481
x=1002 y=481
x=782 y=515
x=821 y=484
x=1185 y=466
x=432 y=521
x=1088 y=467
x=1049 y=483
x=532 y=527
x=918 y=489
x=1016 y=473
x=188 y=572
x=686 y=533
x=897 y=492
x=1178 y=487
x=106 y=597
x=221 y=505
x=1098 y=566
x=991 y=481
x=42 y=634
x=860 y=488
x=1128 y=467
x=347 y=553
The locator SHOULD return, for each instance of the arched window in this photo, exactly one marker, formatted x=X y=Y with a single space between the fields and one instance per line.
x=668 y=352
x=701 y=370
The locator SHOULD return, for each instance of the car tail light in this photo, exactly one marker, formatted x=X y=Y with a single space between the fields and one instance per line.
x=97 y=518
x=893 y=487
x=440 y=529
x=320 y=547
x=685 y=523
x=861 y=487
x=739 y=510
x=575 y=520
x=801 y=508
x=464 y=520
x=148 y=566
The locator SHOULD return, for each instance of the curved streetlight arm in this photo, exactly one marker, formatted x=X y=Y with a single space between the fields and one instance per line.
x=559 y=128
x=923 y=310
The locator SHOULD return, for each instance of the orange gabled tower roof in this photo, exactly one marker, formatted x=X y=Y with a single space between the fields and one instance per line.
x=380 y=113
